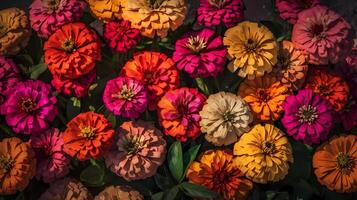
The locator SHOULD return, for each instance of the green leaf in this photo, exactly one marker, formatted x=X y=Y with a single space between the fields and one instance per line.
x=37 y=70
x=171 y=193
x=162 y=182
x=157 y=196
x=175 y=160
x=93 y=176
x=188 y=157
x=112 y=119
x=197 y=191
x=202 y=85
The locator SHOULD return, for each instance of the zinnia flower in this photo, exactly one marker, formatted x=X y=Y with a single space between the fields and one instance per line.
x=52 y=162
x=215 y=170
x=10 y=75
x=335 y=164
x=119 y=192
x=47 y=16
x=17 y=165
x=224 y=117
x=291 y=68
x=155 y=17
x=15 y=31
x=30 y=108
x=289 y=9
x=125 y=96
x=139 y=151
x=200 y=54
x=179 y=113
x=329 y=86
x=308 y=117
x=72 y=51
x=253 y=49
x=265 y=97
x=323 y=35
x=156 y=71
x=87 y=136
x=120 y=36
x=68 y=189
x=78 y=87
x=215 y=12
x=106 y=10
x=263 y=154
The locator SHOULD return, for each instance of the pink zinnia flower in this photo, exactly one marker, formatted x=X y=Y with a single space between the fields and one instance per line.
x=30 y=107
x=10 y=75
x=200 y=54
x=308 y=117
x=52 y=162
x=125 y=96
x=47 y=16
x=120 y=36
x=78 y=86
x=214 y=12
x=289 y=9
x=323 y=35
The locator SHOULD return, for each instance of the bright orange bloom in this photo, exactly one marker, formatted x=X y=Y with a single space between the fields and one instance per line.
x=330 y=86
x=335 y=164
x=265 y=96
x=87 y=136
x=215 y=170
x=156 y=70
x=72 y=51
x=17 y=165
x=106 y=10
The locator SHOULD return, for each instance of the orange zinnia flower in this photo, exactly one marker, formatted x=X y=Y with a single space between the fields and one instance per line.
x=17 y=165
x=106 y=10
x=330 y=86
x=215 y=170
x=72 y=51
x=87 y=136
x=335 y=164
x=156 y=70
x=265 y=96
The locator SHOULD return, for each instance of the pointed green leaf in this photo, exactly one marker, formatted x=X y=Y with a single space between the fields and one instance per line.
x=93 y=176
x=197 y=191
x=202 y=85
x=37 y=70
x=157 y=196
x=175 y=160
x=188 y=157
x=171 y=193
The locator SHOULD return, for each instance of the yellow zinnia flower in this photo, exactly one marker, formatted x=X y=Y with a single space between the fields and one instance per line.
x=263 y=154
x=253 y=48
x=155 y=16
x=106 y=10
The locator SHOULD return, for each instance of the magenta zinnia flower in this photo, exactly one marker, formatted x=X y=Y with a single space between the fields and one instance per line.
x=10 y=75
x=30 y=107
x=200 y=54
x=289 y=9
x=52 y=162
x=214 y=12
x=120 y=36
x=46 y=16
x=323 y=35
x=78 y=86
x=308 y=117
x=125 y=96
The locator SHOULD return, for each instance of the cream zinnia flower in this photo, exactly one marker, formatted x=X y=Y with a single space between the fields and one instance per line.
x=153 y=17
x=224 y=118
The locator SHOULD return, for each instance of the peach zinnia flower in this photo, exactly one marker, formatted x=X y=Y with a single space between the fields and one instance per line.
x=335 y=164
x=120 y=193
x=17 y=165
x=87 y=136
x=253 y=49
x=263 y=154
x=265 y=96
x=215 y=170
x=156 y=71
x=329 y=86
x=72 y=50
x=155 y=17
x=15 y=31
x=106 y=10
x=291 y=67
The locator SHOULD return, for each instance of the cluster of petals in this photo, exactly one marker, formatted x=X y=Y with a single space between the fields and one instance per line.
x=10 y=75
x=119 y=192
x=106 y=10
x=289 y=9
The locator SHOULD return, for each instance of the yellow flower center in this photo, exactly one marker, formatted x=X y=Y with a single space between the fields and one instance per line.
x=125 y=93
x=51 y=4
x=6 y=163
x=217 y=3
x=155 y=4
x=307 y=114
x=196 y=44
x=268 y=147
x=27 y=105
x=68 y=45
x=251 y=45
x=132 y=144
x=228 y=116
x=344 y=162
x=87 y=132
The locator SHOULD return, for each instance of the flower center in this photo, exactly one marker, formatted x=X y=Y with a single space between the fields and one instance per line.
x=196 y=44
x=324 y=90
x=217 y=3
x=268 y=147
x=51 y=4
x=28 y=105
x=344 y=162
x=6 y=164
x=132 y=144
x=68 y=45
x=250 y=45
x=228 y=116
x=307 y=114
x=318 y=31
x=263 y=95
x=155 y=4
x=87 y=132
x=284 y=60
